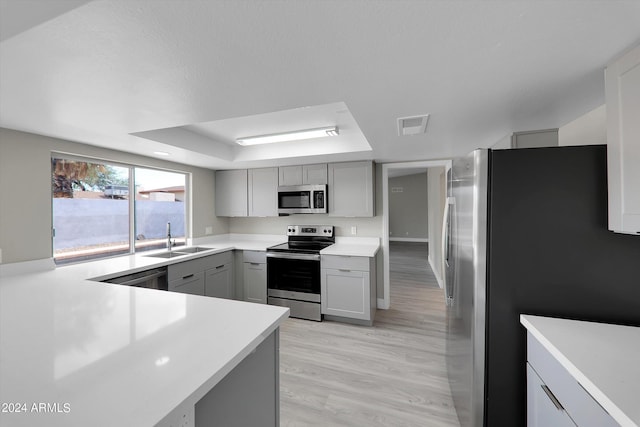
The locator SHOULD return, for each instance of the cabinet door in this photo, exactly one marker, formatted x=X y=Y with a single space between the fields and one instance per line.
x=543 y=408
x=622 y=88
x=314 y=174
x=290 y=175
x=218 y=282
x=346 y=294
x=351 y=189
x=255 y=282
x=263 y=192
x=190 y=284
x=231 y=193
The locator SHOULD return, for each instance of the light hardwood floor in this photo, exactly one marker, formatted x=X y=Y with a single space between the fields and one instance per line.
x=391 y=374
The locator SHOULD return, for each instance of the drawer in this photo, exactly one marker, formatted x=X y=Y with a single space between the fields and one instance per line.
x=255 y=257
x=581 y=407
x=181 y=269
x=345 y=262
x=218 y=260
x=190 y=284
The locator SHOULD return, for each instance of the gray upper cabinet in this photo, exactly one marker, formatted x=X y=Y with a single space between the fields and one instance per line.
x=534 y=139
x=302 y=175
x=290 y=175
x=263 y=192
x=314 y=174
x=622 y=89
x=231 y=193
x=351 y=189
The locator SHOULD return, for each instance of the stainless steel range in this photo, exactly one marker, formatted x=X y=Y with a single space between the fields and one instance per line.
x=293 y=270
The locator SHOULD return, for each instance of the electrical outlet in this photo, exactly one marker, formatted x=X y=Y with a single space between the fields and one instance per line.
x=354 y=230
x=208 y=230
x=182 y=416
x=185 y=420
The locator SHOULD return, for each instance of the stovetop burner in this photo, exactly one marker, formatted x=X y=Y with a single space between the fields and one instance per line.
x=304 y=247
x=306 y=239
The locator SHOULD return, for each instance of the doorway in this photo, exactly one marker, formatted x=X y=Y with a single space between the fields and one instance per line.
x=436 y=183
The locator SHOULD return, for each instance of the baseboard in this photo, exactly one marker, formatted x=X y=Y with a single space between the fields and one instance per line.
x=435 y=273
x=408 y=239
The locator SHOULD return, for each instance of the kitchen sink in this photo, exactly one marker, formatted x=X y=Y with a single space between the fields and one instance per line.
x=193 y=249
x=180 y=252
x=172 y=254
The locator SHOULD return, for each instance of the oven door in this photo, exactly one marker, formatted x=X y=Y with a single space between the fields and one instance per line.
x=293 y=275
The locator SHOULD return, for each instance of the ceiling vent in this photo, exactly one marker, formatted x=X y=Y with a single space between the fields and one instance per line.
x=413 y=125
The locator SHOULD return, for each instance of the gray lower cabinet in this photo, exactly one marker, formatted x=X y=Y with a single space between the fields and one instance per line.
x=191 y=283
x=255 y=276
x=248 y=396
x=218 y=280
x=209 y=275
x=348 y=288
x=543 y=409
x=555 y=397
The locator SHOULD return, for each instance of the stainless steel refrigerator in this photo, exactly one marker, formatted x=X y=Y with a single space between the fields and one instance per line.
x=526 y=232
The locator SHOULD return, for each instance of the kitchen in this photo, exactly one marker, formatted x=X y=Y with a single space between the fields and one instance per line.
x=122 y=75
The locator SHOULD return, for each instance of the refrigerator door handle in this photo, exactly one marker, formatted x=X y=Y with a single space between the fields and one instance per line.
x=446 y=253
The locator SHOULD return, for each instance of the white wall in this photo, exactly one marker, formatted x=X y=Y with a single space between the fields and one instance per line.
x=589 y=129
x=25 y=191
x=365 y=227
x=437 y=192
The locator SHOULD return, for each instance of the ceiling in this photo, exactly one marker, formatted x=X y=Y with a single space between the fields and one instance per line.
x=188 y=77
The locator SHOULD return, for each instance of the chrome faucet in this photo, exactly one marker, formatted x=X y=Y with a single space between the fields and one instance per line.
x=169 y=236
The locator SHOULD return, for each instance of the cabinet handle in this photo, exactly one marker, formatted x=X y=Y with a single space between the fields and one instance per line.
x=186 y=277
x=254 y=263
x=553 y=398
x=345 y=270
x=220 y=266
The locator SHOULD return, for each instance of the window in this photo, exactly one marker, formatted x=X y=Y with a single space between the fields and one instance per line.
x=101 y=209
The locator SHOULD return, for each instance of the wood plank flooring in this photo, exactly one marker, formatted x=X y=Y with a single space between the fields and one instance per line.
x=391 y=374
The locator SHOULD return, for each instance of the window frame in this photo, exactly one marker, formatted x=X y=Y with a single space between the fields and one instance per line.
x=131 y=200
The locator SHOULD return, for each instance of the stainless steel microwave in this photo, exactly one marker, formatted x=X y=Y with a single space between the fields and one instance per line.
x=299 y=199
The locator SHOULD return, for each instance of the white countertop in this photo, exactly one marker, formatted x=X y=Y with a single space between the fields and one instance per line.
x=353 y=246
x=603 y=358
x=102 y=350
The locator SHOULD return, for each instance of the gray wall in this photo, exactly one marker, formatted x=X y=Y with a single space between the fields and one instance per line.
x=25 y=191
x=408 y=213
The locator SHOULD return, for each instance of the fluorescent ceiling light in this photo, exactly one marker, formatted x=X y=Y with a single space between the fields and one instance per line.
x=289 y=136
x=161 y=153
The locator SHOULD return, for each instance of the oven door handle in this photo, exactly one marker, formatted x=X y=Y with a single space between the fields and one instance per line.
x=288 y=255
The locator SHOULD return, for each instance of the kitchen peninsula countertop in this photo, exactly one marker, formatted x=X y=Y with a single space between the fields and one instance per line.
x=77 y=352
x=602 y=357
